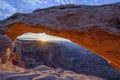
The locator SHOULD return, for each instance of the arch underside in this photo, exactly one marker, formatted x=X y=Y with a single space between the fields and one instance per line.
x=93 y=38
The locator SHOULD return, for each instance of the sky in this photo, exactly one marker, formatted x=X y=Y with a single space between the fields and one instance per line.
x=40 y=37
x=9 y=7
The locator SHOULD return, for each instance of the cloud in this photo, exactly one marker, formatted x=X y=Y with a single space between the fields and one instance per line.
x=8 y=7
x=57 y=0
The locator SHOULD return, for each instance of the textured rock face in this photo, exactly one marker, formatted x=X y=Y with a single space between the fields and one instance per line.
x=5 y=52
x=3 y=29
x=5 y=44
x=45 y=73
x=95 y=27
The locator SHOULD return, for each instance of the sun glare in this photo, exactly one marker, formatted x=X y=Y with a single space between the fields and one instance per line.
x=43 y=39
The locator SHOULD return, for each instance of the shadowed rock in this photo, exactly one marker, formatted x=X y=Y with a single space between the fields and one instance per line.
x=5 y=51
x=5 y=44
x=3 y=29
x=46 y=73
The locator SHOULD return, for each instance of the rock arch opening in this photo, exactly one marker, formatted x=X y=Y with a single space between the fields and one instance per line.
x=93 y=38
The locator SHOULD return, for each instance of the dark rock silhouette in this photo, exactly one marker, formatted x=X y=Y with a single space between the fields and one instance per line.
x=5 y=44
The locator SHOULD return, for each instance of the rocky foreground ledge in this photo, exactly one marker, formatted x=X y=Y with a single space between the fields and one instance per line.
x=45 y=73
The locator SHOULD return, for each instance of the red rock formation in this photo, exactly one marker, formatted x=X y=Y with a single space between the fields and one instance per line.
x=96 y=28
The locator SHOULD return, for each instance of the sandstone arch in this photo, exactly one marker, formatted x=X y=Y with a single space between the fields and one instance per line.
x=94 y=39
x=83 y=25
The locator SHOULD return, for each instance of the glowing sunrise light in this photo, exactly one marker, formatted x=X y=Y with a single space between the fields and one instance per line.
x=43 y=37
